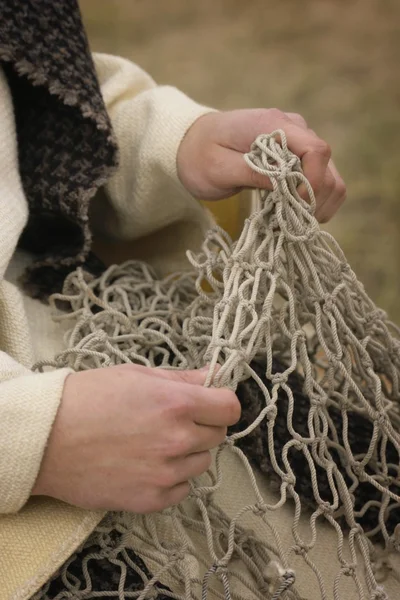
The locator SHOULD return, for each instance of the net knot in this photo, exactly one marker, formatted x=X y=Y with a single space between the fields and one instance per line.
x=380 y=418
x=344 y=268
x=290 y=479
x=247 y=303
x=366 y=361
x=301 y=336
x=357 y=530
x=226 y=302
x=379 y=594
x=176 y=556
x=300 y=549
x=272 y=412
x=260 y=509
x=197 y=493
x=312 y=231
x=320 y=400
x=242 y=539
x=326 y=507
x=249 y=268
x=285 y=170
x=349 y=571
x=327 y=303
x=221 y=566
x=279 y=378
x=358 y=470
x=228 y=442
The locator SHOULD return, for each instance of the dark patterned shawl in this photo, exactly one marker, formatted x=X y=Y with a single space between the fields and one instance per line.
x=65 y=140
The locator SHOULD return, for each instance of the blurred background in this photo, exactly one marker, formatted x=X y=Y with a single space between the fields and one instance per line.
x=337 y=62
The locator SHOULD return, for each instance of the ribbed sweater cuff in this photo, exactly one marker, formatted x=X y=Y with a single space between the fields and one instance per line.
x=28 y=406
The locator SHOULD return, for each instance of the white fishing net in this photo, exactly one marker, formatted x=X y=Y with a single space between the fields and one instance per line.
x=283 y=294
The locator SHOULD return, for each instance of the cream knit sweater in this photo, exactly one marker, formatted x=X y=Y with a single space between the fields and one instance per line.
x=143 y=202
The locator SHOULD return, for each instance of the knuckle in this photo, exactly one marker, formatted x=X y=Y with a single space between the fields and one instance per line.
x=178 y=406
x=181 y=444
x=167 y=477
x=274 y=114
x=297 y=119
x=341 y=190
x=184 y=376
x=323 y=149
x=268 y=119
x=329 y=182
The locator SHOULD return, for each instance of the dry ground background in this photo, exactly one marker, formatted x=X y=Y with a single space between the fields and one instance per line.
x=335 y=61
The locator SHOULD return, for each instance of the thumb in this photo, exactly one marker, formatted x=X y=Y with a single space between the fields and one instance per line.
x=235 y=173
x=193 y=376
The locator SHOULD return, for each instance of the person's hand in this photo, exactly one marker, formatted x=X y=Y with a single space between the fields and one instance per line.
x=210 y=157
x=130 y=437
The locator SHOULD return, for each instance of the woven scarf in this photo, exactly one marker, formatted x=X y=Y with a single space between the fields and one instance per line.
x=65 y=140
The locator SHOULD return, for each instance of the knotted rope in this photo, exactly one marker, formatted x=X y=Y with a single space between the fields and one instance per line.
x=283 y=291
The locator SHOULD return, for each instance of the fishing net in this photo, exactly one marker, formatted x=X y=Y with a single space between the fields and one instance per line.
x=316 y=366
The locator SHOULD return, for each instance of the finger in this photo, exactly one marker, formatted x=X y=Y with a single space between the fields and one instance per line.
x=191 y=466
x=325 y=194
x=234 y=174
x=194 y=376
x=184 y=469
x=314 y=161
x=239 y=134
x=218 y=407
x=212 y=406
x=314 y=153
x=178 y=493
x=297 y=120
x=335 y=198
x=207 y=437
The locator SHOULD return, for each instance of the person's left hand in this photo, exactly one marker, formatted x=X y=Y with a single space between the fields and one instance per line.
x=210 y=157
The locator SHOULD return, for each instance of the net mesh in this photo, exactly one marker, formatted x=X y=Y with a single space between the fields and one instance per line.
x=283 y=291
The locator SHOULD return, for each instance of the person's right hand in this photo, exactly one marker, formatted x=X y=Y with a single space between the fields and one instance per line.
x=130 y=437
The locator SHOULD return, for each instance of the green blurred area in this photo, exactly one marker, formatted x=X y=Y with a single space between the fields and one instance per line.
x=337 y=62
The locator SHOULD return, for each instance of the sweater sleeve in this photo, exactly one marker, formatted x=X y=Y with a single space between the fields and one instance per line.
x=28 y=401
x=28 y=406
x=145 y=201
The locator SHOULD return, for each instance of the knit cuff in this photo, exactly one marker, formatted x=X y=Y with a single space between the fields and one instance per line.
x=174 y=114
x=28 y=406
